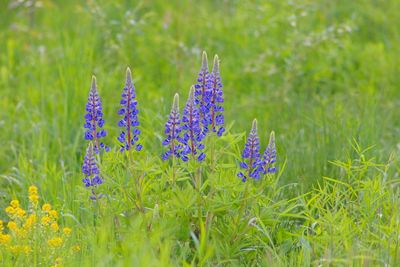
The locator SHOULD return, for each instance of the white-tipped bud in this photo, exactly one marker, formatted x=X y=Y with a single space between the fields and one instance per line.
x=128 y=76
x=191 y=93
x=175 y=104
x=93 y=87
x=204 y=61
x=254 y=126
x=216 y=64
x=272 y=137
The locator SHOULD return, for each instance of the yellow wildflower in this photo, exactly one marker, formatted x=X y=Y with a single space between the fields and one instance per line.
x=46 y=207
x=34 y=199
x=76 y=248
x=26 y=249
x=12 y=226
x=14 y=203
x=4 y=239
x=46 y=220
x=20 y=212
x=10 y=210
x=33 y=190
x=33 y=195
x=30 y=221
x=67 y=230
x=54 y=226
x=55 y=242
x=53 y=214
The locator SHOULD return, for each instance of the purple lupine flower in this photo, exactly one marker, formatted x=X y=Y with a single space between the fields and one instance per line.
x=216 y=99
x=192 y=132
x=94 y=121
x=269 y=157
x=202 y=93
x=172 y=130
x=129 y=136
x=251 y=154
x=91 y=171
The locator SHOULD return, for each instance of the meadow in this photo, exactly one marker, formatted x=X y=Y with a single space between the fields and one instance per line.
x=324 y=76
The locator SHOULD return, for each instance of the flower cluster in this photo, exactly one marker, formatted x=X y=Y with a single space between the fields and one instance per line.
x=172 y=130
x=209 y=97
x=33 y=196
x=94 y=131
x=202 y=93
x=192 y=133
x=269 y=157
x=91 y=171
x=203 y=113
x=251 y=153
x=257 y=165
x=216 y=109
x=34 y=231
x=129 y=136
x=94 y=121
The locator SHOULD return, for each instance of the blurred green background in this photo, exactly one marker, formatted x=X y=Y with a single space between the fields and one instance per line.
x=319 y=73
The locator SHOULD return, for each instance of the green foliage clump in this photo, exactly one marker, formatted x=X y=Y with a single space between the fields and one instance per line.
x=317 y=72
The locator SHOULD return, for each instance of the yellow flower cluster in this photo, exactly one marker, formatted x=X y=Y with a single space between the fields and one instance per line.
x=55 y=242
x=4 y=238
x=25 y=230
x=50 y=217
x=14 y=211
x=33 y=195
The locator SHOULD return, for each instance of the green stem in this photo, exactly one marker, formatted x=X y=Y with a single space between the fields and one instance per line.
x=173 y=170
x=213 y=154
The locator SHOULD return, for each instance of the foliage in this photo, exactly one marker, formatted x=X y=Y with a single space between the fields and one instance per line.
x=322 y=74
x=34 y=237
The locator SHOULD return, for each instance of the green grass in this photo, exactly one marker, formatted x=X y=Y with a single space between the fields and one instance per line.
x=324 y=75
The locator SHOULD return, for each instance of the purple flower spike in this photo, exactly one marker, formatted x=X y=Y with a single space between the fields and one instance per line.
x=129 y=123
x=269 y=157
x=91 y=170
x=216 y=99
x=202 y=93
x=172 y=130
x=94 y=121
x=192 y=132
x=251 y=153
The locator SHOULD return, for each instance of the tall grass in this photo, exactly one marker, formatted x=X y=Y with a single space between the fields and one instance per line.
x=323 y=75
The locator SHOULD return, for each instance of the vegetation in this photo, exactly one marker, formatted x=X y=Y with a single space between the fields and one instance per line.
x=323 y=75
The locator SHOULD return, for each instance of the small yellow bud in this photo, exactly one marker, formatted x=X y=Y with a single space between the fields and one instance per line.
x=12 y=226
x=14 y=203
x=46 y=207
x=4 y=239
x=54 y=226
x=26 y=249
x=46 y=220
x=34 y=199
x=76 y=248
x=30 y=221
x=10 y=210
x=20 y=212
x=67 y=230
x=33 y=189
x=53 y=214
x=55 y=242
